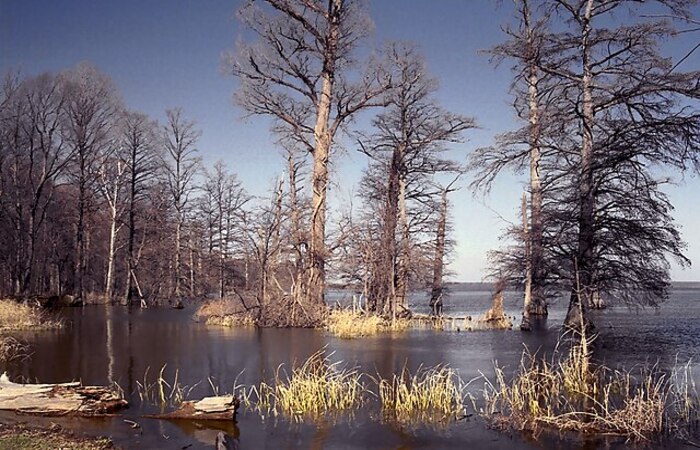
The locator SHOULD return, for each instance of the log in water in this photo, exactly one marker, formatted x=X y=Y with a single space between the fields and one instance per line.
x=58 y=399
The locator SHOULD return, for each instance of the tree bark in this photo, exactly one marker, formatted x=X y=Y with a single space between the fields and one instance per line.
x=319 y=180
x=538 y=304
x=527 y=243
x=438 y=260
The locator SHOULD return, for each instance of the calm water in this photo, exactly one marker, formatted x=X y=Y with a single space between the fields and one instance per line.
x=105 y=345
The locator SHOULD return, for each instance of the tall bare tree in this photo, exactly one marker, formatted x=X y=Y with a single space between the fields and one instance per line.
x=34 y=156
x=91 y=105
x=408 y=149
x=299 y=73
x=615 y=107
x=139 y=141
x=227 y=200
x=181 y=165
x=112 y=170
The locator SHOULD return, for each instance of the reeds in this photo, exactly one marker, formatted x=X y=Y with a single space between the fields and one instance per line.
x=162 y=393
x=573 y=395
x=347 y=324
x=431 y=395
x=316 y=390
x=16 y=316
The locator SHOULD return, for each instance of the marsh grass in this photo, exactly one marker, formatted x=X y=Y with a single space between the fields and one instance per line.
x=316 y=390
x=19 y=316
x=225 y=312
x=574 y=395
x=347 y=324
x=429 y=396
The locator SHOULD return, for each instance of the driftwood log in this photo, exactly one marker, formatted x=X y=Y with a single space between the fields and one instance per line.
x=58 y=399
x=222 y=407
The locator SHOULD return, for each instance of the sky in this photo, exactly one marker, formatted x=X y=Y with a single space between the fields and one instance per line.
x=168 y=53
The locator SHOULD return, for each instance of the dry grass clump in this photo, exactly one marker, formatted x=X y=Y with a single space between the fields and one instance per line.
x=11 y=348
x=431 y=395
x=571 y=395
x=225 y=312
x=19 y=316
x=316 y=390
x=347 y=324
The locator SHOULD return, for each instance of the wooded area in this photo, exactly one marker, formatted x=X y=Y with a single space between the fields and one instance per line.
x=108 y=205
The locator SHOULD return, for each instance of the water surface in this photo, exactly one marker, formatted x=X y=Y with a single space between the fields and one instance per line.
x=112 y=344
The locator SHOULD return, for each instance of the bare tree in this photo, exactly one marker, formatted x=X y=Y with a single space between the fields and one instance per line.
x=524 y=147
x=407 y=149
x=437 y=286
x=614 y=108
x=227 y=198
x=34 y=156
x=298 y=73
x=138 y=138
x=181 y=165
x=112 y=170
x=90 y=107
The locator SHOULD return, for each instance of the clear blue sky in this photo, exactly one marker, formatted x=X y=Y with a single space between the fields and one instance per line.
x=166 y=53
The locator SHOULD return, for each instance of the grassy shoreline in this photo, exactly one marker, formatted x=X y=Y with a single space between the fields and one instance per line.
x=23 y=437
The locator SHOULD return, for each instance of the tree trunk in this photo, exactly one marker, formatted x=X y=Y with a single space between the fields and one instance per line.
x=109 y=282
x=577 y=314
x=80 y=238
x=177 y=262
x=438 y=259
x=538 y=304
x=527 y=243
x=323 y=140
x=132 y=226
x=401 y=295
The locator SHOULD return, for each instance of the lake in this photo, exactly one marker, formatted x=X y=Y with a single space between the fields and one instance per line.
x=112 y=344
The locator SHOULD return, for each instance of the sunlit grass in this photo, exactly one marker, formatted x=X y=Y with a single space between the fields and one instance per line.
x=19 y=316
x=573 y=395
x=430 y=395
x=347 y=324
x=315 y=390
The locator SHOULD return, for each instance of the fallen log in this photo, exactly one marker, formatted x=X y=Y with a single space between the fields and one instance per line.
x=223 y=407
x=58 y=399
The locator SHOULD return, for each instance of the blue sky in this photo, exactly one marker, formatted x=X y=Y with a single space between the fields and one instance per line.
x=167 y=53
